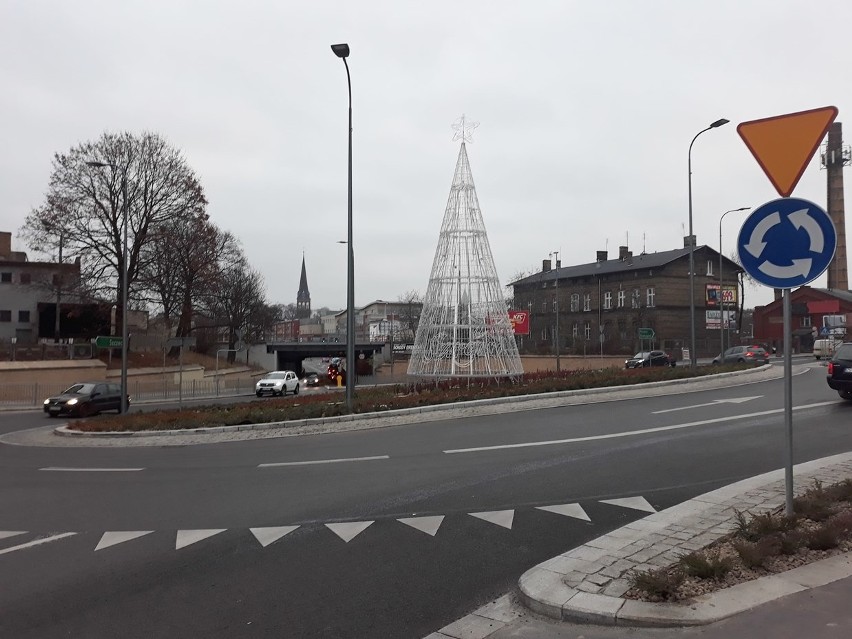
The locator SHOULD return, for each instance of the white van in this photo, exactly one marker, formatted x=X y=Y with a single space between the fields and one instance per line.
x=825 y=347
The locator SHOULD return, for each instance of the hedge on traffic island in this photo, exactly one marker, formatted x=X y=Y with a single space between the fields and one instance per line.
x=385 y=398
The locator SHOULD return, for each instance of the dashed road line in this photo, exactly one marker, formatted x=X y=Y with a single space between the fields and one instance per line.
x=64 y=469
x=323 y=461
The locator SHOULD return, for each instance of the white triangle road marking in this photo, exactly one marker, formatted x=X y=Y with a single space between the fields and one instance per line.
x=500 y=517
x=271 y=534
x=636 y=503
x=429 y=525
x=189 y=537
x=118 y=537
x=569 y=510
x=10 y=533
x=347 y=531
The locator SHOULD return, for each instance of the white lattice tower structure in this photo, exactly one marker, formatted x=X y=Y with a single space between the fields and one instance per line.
x=464 y=328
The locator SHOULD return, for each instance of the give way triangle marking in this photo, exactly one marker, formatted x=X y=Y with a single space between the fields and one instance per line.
x=429 y=525
x=347 y=531
x=500 y=517
x=119 y=537
x=636 y=503
x=569 y=510
x=784 y=144
x=188 y=537
x=10 y=533
x=271 y=534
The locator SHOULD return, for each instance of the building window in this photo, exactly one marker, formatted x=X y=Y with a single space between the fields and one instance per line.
x=608 y=300
x=24 y=317
x=5 y=316
x=6 y=277
x=575 y=302
x=26 y=278
x=575 y=333
x=649 y=297
x=587 y=330
x=544 y=335
x=806 y=321
x=621 y=297
x=635 y=300
x=622 y=329
x=587 y=301
x=553 y=303
x=709 y=268
x=544 y=306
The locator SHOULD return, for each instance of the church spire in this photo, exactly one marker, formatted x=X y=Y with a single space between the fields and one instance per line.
x=303 y=298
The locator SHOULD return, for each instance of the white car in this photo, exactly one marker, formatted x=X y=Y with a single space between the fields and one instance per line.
x=278 y=383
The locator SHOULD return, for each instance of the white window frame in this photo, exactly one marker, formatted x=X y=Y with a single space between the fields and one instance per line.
x=587 y=301
x=621 y=297
x=587 y=331
x=650 y=295
x=607 y=300
x=575 y=302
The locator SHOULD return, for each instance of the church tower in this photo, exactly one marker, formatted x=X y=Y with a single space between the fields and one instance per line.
x=303 y=297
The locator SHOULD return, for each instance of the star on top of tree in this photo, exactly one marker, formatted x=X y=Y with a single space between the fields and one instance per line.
x=464 y=129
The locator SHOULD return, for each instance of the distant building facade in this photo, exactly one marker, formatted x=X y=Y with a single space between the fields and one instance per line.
x=603 y=304
x=815 y=313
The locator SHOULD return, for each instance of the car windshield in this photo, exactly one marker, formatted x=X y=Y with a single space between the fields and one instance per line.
x=79 y=389
x=640 y=355
x=276 y=376
x=844 y=351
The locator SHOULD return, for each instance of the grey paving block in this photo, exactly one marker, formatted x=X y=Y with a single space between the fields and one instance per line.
x=592 y=608
x=502 y=609
x=472 y=627
x=821 y=572
x=544 y=592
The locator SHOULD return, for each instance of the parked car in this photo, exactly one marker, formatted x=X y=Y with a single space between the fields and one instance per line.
x=277 y=383
x=741 y=354
x=649 y=358
x=84 y=399
x=311 y=379
x=839 y=372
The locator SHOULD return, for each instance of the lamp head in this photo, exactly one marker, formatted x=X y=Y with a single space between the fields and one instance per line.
x=719 y=123
x=340 y=50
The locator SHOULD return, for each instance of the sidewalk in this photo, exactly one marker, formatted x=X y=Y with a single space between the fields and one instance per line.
x=584 y=585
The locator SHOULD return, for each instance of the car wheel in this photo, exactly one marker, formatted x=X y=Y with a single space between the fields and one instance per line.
x=84 y=410
x=740 y=361
x=296 y=390
x=847 y=395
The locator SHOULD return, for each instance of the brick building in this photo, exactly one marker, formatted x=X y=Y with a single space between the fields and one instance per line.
x=815 y=312
x=603 y=304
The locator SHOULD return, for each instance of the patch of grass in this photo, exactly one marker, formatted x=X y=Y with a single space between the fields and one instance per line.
x=660 y=582
x=705 y=566
x=825 y=537
x=756 y=554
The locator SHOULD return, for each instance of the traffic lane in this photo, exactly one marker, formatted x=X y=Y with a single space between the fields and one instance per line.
x=422 y=483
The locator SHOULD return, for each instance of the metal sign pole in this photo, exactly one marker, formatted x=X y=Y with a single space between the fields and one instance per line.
x=788 y=405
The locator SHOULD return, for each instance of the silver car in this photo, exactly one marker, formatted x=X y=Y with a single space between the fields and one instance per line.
x=277 y=383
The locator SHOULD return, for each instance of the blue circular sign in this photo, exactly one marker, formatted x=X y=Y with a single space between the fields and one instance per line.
x=787 y=242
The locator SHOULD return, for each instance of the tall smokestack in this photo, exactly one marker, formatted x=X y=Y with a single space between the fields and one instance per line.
x=834 y=159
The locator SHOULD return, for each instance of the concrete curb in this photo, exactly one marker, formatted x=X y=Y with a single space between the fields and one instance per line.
x=544 y=590
x=520 y=402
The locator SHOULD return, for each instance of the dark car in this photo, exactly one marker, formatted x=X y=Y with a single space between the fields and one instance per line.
x=311 y=379
x=741 y=354
x=649 y=358
x=84 y=399
x=840 y=370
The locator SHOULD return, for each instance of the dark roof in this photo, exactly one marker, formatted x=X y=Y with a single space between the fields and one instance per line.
x=846 y=296
x=607 y=267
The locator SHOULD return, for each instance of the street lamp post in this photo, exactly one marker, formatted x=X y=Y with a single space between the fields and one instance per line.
x=721 y=285
x=342 y=51
x=124 y=270
x=692 y=353
x=556 y=332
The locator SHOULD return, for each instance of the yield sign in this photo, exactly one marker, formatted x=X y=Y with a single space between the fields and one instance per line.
x=784 y=144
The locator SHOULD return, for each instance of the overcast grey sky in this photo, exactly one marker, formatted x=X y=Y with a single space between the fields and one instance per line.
x=586 y=108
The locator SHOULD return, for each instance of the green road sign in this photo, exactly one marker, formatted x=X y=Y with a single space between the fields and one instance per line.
x=107 y=342
x=646 y=333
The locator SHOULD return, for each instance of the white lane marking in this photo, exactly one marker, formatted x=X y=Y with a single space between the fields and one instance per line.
x=111 y=538
x=347 y=531
x=429 y=525
x=500 y=517
x=733 y=400
x=10 y=533
x=631 y=433
x=636 y=503
x=271 y=534
x=323 y=461
x=187 y=537
x=61 y=469
x=37 y=542
x=569 y=510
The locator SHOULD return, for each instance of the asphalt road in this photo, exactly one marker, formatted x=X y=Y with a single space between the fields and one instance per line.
x=390 y=579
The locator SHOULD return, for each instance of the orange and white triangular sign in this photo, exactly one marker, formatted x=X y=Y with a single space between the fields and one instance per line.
x=784 y=144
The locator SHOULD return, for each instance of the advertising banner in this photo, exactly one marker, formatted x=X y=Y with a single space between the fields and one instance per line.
x=729 y=295
x=520 y=322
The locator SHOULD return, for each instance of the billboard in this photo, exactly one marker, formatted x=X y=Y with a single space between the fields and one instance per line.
x=520 y=322
x=713 y=320
x=712 y=295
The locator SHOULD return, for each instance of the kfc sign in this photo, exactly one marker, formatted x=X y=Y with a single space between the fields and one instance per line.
x=520 y=322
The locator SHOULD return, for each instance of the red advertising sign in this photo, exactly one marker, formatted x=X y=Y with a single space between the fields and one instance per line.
x=520 y=322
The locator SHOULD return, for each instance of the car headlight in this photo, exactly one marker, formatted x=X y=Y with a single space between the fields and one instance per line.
x=71 y=402
x=46 y=402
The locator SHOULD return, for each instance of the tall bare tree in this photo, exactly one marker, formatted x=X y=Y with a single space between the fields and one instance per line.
x=86 y=205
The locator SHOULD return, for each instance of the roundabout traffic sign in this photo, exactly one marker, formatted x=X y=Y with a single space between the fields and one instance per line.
x=787 y=242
